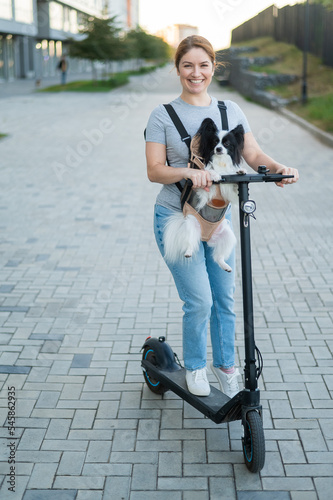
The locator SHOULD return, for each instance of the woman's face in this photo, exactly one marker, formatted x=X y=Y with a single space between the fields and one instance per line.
x=195 y=71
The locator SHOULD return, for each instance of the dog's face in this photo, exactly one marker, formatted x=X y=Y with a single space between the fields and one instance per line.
x=219 y=143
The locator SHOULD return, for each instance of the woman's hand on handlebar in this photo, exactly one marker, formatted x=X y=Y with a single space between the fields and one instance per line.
x=199 y=178
x=287 y=171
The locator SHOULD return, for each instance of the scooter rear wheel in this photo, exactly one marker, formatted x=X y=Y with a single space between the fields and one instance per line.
x=153 y=384
x=254 y=442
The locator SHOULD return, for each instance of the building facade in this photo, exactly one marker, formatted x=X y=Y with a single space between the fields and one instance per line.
x=33 y=32
x=174 y=34
x=127 y=12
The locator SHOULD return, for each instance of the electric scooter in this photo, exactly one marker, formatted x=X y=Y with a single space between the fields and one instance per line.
x=162 y=369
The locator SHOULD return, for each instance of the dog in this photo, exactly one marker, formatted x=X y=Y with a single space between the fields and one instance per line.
x=221 y=153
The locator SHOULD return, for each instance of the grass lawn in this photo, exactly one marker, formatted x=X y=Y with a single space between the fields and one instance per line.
x=117 y=80
x=319 y=108
x=90 y=85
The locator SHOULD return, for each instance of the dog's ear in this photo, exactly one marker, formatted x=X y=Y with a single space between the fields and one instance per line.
x=207 y=127
x=207 y=134
x=238 y=133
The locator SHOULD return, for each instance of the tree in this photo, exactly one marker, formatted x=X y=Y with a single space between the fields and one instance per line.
x=141 y=45
x=326 y=3
x=101 y=43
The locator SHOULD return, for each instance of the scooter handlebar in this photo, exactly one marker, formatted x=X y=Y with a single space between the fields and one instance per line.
x=240 y=178
x=263 y=175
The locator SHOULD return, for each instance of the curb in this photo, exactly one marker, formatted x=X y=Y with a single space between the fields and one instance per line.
x=324 y=137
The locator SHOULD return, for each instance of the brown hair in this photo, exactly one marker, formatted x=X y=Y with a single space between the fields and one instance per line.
x=189 y=43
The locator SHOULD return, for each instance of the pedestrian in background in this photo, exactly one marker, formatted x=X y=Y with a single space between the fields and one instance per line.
x=63 y=66
x=206 y=290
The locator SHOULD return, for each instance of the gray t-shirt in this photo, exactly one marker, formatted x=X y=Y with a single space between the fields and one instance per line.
x=161 y=129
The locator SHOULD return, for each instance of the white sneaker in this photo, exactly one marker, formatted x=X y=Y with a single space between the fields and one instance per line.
x=228 y=381
x=197 y=382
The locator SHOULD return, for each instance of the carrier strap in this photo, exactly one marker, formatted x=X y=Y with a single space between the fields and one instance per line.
x=185 y=137
x=224 y=118
x=178 y=124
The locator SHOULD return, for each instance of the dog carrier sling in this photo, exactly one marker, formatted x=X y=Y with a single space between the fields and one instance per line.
x=211 y=215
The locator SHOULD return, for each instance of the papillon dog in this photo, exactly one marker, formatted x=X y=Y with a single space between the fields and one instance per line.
x=221 y=153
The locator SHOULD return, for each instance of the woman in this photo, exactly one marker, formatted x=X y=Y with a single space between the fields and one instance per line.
x=206 y=290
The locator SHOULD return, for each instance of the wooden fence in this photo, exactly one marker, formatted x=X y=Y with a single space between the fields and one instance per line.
x=288 y=25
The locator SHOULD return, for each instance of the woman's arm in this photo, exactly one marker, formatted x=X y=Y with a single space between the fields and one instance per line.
x=254 y=156
x=158 y=171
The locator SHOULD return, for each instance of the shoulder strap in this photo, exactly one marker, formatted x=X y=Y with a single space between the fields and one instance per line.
x=178 y=124
x=224 y=118
x=185 y=137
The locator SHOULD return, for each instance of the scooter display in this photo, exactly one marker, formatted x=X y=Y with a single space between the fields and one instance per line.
x=162 y=369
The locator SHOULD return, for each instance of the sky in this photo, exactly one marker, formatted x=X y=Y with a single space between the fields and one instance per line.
x=214 y=18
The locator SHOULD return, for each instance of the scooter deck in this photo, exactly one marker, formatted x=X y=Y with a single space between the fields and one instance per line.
x=217 y=406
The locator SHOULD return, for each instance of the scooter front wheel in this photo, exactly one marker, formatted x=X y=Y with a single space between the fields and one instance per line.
x=254 y=442
x=153 y=384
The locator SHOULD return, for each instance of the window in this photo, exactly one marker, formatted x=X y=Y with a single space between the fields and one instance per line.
x=73 y=24
x=24 y=11
x=6 y=9
x=56 y=16
x=10 y=56
x=66 y=19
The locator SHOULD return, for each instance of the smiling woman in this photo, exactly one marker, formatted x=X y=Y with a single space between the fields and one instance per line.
x=204 y=287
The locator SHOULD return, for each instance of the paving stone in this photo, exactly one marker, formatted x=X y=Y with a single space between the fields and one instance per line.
x=148 y=430
x=299 y=399
x=71 y=463
x=144 y=477
x=40 y=494
x=31 y=439
x=124 y=440
x=98 y=451
x=194 y=452
x=82 y=286
x=263 y=495
x=43 y=476
x=222 y=488
x=58 y=429
x=47 y=399
x=117 y=488
x=273 y=464
x=292 y=452
x=287 y=483
x=318 y=391
x=170 y=464
x=195 y=495
x=64 y=444
x=83 y=419
x=217 y=439
x=312 y=440
x=81 y=482
x=14 y=369
x=155 y=495
x=304 y=495
x=198 y=483
x=81 y=360
x=245 y=481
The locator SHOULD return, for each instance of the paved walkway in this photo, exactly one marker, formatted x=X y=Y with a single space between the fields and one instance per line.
x=82 y=285
x=30 y=85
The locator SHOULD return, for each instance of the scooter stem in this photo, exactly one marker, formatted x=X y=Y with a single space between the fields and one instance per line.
x=250 y=369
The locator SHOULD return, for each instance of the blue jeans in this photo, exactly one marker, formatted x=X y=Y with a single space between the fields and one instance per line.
x=207 y=292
